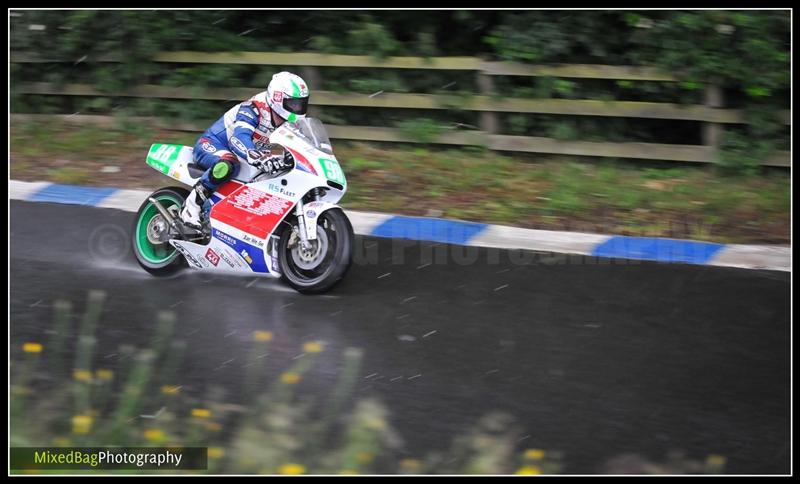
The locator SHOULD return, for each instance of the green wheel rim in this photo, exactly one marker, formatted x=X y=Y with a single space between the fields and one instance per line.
x=154 y=254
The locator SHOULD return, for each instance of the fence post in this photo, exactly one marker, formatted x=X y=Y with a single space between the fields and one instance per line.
x=311 y=75
x=488 y=118
x=712 y=132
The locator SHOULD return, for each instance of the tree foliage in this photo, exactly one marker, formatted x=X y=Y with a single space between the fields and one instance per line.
x=745 y=52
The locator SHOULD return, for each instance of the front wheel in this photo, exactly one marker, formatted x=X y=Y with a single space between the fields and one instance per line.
x=320 y=267
x=151 y=233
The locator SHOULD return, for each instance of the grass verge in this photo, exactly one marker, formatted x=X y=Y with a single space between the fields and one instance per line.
x=543 y=192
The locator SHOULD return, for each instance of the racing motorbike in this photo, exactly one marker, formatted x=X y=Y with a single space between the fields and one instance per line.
x=277 y=218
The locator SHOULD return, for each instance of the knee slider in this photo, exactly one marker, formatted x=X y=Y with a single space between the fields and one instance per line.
x=222 y=171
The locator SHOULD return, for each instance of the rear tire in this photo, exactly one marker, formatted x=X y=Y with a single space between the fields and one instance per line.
x=159 y=258
x=324 y=268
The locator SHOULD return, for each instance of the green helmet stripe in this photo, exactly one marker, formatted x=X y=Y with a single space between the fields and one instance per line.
x=292 y=118
x=296 y=88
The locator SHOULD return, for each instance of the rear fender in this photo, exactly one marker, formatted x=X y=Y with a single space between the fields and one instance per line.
x=172 y=160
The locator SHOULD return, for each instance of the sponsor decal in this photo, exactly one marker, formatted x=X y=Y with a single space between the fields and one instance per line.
x=258 y=203
x=237 y=143
x=253 y=240
x=311 y=214
x=226 y=257
x=277 y=96
x=261 y=140
x=332 y=170
x=189 y=257
x=247 y=112
x=208 y=147
x=175 y=175
x=252 y=211
x=224 y=237
x=212 y=256
x=281 y=190
x=161 y=156
x=244 y=246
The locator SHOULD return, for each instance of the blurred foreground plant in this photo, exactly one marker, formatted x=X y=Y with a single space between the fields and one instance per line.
x=285 y=431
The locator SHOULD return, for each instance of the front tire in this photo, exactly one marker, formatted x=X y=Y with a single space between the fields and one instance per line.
x=149 y=235
x=319 y=269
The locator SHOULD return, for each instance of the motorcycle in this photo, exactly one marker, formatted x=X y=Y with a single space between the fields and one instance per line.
x=276 y=218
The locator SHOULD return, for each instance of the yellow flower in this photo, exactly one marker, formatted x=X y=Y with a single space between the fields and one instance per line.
x=376 y=423
x=262 y=336
x=716 y=460
x=292 y=469
x=411 y=465
x=312 y=347
x=82 y=375
x=534 y=454
x=290 y=378
x=104 y=374
x=32 y=348
x=364 y=457
x=529 y=471
x=201 y=413
x=213 y=426
x=215 y=452
x=348 y=472
x=81 y=424
x=170 y=389
x=62 y=442
x=155 y=435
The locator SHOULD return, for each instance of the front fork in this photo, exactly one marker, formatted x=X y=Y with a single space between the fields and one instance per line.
x=305 y=232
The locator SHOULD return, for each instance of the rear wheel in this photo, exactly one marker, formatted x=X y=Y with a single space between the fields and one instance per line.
x=320 y=267
x=151 y=233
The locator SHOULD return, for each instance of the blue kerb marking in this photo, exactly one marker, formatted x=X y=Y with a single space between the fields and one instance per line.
x=71 y=194
x=662 y=250
x=419 y=228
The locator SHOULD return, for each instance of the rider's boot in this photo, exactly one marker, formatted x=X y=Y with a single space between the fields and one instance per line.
x=193 y=206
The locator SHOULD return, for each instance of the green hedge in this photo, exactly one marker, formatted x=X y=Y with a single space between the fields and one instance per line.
x=745 y=52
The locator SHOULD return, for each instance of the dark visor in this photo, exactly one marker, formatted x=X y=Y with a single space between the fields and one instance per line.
x=296 y=105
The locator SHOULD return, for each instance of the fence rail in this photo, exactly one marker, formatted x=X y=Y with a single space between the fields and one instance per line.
x=711 y=114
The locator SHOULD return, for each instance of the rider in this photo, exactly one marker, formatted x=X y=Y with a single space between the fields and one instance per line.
x=241 y=135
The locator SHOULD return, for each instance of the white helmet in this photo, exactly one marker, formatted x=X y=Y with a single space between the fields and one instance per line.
x=287 y=96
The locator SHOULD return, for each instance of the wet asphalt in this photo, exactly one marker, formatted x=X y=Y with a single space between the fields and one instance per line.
x=593 y=357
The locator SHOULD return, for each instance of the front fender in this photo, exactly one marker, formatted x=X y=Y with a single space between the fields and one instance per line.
x=311 y=212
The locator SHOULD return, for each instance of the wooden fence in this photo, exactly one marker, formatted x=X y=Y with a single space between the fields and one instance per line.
x=711 y=114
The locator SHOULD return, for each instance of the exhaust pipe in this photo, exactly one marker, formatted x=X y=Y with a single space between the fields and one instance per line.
x=164 y=213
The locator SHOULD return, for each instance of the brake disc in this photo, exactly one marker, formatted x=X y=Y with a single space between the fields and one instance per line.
x=157 y=230
x=308 y=259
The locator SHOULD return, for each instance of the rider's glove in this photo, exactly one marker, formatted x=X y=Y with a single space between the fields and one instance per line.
x=268 y=162
x=256 y=158
x=275 y=163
